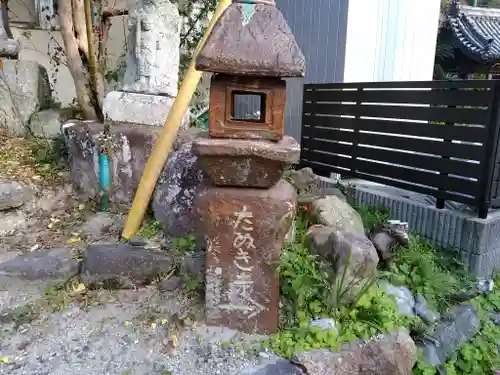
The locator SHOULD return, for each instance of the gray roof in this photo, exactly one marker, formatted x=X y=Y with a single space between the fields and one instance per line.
x=476 y=32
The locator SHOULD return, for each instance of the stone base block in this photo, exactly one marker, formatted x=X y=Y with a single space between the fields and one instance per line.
x=130 y=147
x=47 y=123
x=24 y=89
x=245 y=163
x=476 y=241
x=138 y=108
x=244 y=231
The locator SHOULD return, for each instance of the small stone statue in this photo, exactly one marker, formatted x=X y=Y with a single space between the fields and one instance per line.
x=153 y=47
x=9 y=47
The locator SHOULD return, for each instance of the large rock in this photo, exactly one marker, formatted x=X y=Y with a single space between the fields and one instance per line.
x=122 y=265
x=335 y=246
x=303 y=179
x=48 y=123
x=274 y=367
x=245 y=163
x=177 y=187
x=449 y=336
x=43 y=265
x=24 y=89
x=245 y=231
x=129 y=147
x=13 y=195
x=334 y=212
x=12 y=222
x=391 y=354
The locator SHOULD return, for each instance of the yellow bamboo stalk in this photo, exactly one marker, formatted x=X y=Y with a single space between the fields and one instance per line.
x=162 y=148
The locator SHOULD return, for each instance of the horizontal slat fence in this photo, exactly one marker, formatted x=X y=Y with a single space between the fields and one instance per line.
x=436 y=138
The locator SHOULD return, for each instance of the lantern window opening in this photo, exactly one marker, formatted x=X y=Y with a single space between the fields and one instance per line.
x=248 y=106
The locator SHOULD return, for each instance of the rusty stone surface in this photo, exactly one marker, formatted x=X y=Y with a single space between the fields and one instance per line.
x=252 y=40
x=272 y=93
x=245 y=163
x=244 y=232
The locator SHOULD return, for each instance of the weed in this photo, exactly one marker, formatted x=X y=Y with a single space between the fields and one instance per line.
x=150 y=229
x=308 y=294
x=185 y=245
x=372 y=217
x=193 y=286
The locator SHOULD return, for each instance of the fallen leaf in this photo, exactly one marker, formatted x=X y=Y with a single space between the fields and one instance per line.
x=5 y=360
x=153 y=325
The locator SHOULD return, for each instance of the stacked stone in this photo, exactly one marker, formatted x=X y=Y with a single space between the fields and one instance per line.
x=248 y=209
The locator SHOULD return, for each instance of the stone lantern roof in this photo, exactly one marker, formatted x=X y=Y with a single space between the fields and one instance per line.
x=252 y=38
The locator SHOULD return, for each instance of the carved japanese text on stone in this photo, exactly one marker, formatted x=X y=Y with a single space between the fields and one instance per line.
x=153 y=47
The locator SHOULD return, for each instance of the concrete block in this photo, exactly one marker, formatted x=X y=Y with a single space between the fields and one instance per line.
x=476 y=241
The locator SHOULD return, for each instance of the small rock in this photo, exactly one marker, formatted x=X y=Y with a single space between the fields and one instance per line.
x=485 y=286
x=449 y=336
x=384 y=243
x=324 y=324
x=495 y=318
x=138 y=241
x=97 y=225
x=336 y=213
x=274 y=367
x=404 y=298
x=122 y=265
x=193 y=264
x=13 y=195
x=170 y=284
x=399 y=230
x=303 y=179
x=390 y=354
x=423 y=311
x=12 y=222
x=48 y=264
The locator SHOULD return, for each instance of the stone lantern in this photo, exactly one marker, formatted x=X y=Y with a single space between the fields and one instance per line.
x=248 y=209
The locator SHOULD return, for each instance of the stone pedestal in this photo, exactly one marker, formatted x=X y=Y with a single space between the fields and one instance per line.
x=143 y=109
x=244 y=231
x=246 y=162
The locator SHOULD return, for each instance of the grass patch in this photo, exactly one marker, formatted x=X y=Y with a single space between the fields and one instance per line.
x=372 y=218
x=307 y=295
x=150 y=229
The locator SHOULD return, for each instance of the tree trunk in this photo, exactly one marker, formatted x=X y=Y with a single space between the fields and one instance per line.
x=74 y=35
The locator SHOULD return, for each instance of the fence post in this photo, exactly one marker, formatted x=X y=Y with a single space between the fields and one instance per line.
x=356 y=126
x=303 y=154
x=440 y=201
x=485 y=180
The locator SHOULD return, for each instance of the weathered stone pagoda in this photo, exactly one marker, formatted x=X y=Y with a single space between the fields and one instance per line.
x=248 y=209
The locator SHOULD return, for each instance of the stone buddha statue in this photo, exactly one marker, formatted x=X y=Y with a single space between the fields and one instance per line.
x=153 y=48
x=9 y=47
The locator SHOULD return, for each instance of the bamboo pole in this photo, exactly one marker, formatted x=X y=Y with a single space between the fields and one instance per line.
x=162 y=148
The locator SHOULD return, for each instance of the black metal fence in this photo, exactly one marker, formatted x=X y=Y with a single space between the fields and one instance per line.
x=436 y=138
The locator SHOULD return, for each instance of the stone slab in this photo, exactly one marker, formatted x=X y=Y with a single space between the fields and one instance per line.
x=245 y=163
x=476 y=241
x=245 y=231
x=137 y=108
x=24 y=89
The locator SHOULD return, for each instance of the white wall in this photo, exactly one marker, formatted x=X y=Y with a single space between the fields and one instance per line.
x=391 y=40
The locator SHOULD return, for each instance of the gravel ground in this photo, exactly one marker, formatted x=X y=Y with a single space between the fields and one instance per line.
x=125 y=332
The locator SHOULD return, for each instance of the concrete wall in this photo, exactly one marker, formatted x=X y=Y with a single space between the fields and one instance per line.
x=38 y=44
x=391 y=40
